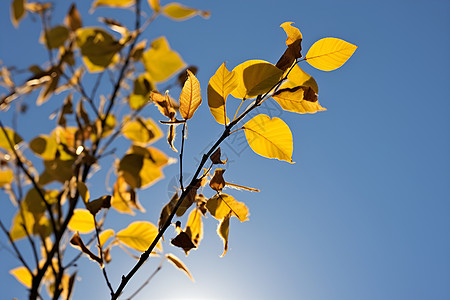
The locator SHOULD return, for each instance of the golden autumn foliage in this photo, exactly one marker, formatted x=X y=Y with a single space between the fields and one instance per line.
x=58 y=203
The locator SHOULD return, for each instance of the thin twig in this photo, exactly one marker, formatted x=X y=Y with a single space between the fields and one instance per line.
x=18 y=254
x=148 y=279
x=100 y=249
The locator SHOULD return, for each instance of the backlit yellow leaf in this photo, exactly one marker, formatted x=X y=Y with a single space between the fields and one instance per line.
x=270 y=138
x=160 y=61
x=142 y=131
x=154 y=4
x=82 y=221
x=13 y=137
x=221 y=84
x=98 y=48
x=255 y=77
x=329 y=54
x=179 y=264
x=55 y=37
x=6 y=177
x=113 y=3
x=179 y=12
x=220 y=205
x=23 y=218
x=44 y=146
x=223 y=230
x=22 y=275
x=139 y=235
x=298 y=77
x=190 y=97
x=142 y=86
x=194 y=226
x=17 y=11
x=105 y=235
x=296 y=100
x=124 y=198
x=293 y=33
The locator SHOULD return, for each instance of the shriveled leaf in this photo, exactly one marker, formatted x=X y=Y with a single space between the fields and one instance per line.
x=188 y=200
x=183 y=241
x=194 y=226
x=220 y=205
x=44 y=146
x=217 y=182
x=96 y=205
x=98 y=48
x=241 y=187
x=142 y=131
x=255 y=77
x=55 y=37
x=329 y=54
x=164 y=104
x=6 y=177
x=139 y=235
x=301 y=99
x=270 y=138
x=17 y=11
x=223 y=231
x=171 y=137
x=221 y=84
x=81 y=221
x=179 y=264
x=124 y=198
x=160 y=61
x=22 y=275
x=179 y=12
x=215 y=157
x=167 y=210
x=112 y=3
x=294 y=46
x=84 y=191
x=190 y=97
x=10 y=136
x=73 y=18
x=77 y=242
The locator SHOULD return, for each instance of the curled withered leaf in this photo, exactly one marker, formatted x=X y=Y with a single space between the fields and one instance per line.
x=179 y=264
x=189 y=199
x=223 y=231
x=77 y=242
x=164 y=104
x=167 y=210
x=171 y=137
x=183 y=241
x=217 y=183
x=294 y=46
x=114 y=25
x=96 y=205
x=241 y=187
x=201 y=203
x=308 y=92
x=215 y=157
x=73 y=18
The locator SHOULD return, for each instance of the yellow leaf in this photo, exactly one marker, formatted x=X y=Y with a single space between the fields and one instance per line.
x=255 y=77
x=23 y=218
x=221 y=84
x=17 y=11
x=124 y=198
x=22 y=275
x=55 y=37
x=105 y=235
x=142 y=131
x=160 y=61
x=56 y=170
x=142 y=86
x=190 y=97
x=179 y=12
x=113 y=3
x=81 y=221
x=98 y=48
x=270 y=138
x=220 y=205
x=293 y=33
x=44 y=146
x=6 y=177
x=296 y=100
x=139 y=235
x=329 y=54
x=13 y=137
x=155 y=5
x=194 y=226
x=298 y=77
x=223 y=230
x=179 y=264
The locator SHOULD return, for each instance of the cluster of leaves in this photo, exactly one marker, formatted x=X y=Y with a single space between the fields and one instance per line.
x=51 y=210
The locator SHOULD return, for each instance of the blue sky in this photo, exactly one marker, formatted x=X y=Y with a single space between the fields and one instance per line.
x=364 y=211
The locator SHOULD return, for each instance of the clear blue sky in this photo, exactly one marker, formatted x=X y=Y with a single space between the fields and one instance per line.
x=365 y=211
